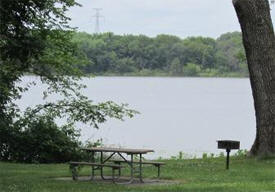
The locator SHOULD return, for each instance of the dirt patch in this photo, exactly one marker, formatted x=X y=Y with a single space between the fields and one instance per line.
x=121 y=180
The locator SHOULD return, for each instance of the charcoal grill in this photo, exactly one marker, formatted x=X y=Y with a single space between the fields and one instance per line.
x=228 y=145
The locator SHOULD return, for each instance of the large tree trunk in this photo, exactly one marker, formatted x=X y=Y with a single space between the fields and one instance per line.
x=259 y=42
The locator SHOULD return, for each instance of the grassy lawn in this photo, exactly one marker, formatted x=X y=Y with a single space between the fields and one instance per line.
x=191 y=175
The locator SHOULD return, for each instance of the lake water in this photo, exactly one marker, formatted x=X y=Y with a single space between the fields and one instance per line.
x=177 y=114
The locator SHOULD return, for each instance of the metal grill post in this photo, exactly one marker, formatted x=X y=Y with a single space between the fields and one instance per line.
x=227 y=158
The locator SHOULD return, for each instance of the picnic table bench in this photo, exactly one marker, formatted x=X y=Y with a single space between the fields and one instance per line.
x=154 y=163
x=74 y=165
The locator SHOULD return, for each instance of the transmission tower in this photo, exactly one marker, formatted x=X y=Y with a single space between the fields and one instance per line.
x=97 y=17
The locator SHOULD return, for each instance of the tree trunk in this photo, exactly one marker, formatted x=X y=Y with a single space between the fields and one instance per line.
x=259 y=42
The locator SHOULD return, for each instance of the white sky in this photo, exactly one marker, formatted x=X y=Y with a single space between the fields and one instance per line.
x=183 y=18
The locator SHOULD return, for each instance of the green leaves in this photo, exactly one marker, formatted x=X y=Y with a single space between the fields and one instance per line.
x=35 y=39
x=32 y=43
x=41 y=140
x=80 y=110
x=162 y=55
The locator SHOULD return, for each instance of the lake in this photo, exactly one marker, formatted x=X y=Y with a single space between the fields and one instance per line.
x=177 y=114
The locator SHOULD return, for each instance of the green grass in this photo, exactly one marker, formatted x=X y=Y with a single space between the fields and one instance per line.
x=198 y=175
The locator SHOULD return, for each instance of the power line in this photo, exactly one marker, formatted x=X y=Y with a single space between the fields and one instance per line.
x=97 y=17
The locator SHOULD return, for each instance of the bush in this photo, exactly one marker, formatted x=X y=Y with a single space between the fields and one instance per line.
x=41 y=140
x=191 y=69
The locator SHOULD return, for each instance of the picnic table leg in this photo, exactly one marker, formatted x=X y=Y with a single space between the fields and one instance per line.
x=113 y=175
x=93 y=169
x=158 y=171
x=140 y=168
x=93 y=157
x=119 y=171
x=102 y=161
x=101 y=168
x=93 y=173
x=74 y=172
x=132 y=168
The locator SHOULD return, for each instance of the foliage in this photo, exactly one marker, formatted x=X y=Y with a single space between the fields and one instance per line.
x=40 y=140
x=191 y=69
x=175 y=67
x=35 y=38
x=79 y=110
x=241 y=153
x=35 y=137
x=111 y=54
x=230 y=53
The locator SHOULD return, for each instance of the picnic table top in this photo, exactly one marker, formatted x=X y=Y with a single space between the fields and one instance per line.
x=120 y=150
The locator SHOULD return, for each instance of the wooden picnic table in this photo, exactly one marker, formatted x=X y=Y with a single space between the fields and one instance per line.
x=120 y=152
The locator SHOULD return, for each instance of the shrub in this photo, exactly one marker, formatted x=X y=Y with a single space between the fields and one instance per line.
x=41 y=140
x=191 y=69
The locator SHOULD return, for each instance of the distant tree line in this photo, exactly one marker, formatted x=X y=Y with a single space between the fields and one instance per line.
x=163 y=55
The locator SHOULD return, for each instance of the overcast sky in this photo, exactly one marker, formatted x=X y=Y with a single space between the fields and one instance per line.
x=183 y=18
